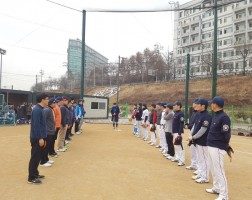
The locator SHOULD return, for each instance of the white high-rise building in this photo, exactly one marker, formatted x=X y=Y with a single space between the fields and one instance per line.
x=194 y=34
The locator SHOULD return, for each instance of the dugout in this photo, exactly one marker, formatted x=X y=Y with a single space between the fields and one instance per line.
x=96 y=107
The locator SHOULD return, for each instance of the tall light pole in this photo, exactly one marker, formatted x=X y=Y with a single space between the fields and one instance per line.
x=2 y=52
x=117 y=89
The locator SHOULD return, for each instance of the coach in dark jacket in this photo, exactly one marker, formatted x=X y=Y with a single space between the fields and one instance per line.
x=37 y=138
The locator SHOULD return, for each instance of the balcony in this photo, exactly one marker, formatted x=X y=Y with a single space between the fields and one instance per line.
x=194 y=31
x=185 y=34
x=195 y=41
x=239 y=31
x=240 y=19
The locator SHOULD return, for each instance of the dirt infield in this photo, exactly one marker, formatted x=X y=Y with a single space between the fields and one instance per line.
x=103 y=164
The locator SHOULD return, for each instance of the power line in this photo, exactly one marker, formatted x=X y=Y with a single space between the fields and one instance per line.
x=64 y=6
x=32 y=49
x=35 y=23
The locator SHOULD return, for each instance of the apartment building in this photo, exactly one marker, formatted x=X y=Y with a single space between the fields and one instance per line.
x=194 y=34
x=93 y=59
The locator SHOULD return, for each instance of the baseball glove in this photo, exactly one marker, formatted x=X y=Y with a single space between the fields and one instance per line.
x=144 y=125
x=153 y=128
x=229 y=152
x=178 y=140
x=191 y=142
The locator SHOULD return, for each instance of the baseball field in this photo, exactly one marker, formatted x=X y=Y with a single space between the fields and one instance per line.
x=104 y=164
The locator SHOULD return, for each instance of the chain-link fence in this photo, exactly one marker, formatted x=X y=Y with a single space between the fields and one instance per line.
x=241 y=117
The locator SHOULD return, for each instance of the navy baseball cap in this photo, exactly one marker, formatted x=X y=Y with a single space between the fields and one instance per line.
x=218 y=101
x=178 y=103
x=202 y=102
x=159 y=104
x=52 y=100
x=58 y=99
x=195 y=100
x=169 y=105
x=163 y=105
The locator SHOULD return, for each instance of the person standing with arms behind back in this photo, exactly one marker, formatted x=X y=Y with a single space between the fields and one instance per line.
x=218 y=142
x=37 y=138
x=115 y=115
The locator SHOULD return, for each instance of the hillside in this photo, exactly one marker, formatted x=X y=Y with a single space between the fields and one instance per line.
x=236 y=90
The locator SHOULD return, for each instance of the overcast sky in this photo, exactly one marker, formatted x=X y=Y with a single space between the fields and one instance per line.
x=35 y=34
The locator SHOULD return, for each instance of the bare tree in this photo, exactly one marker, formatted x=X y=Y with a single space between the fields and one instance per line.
x=243 y=50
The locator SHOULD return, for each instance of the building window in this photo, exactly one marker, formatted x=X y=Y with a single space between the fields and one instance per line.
x=206 y=25
x=98 y=105
x=180 y=14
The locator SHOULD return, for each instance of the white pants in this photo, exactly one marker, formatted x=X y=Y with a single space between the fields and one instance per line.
x=203 y=163
x=153 y=136
x=158 y=133
x=216 y=160
x=194 y=157
x=138 y=124
x=162 y=137
x=145 y=133
x=179 y=150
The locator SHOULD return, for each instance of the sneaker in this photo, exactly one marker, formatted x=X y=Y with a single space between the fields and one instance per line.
x=181 y=164
x=46 y=165
x=71 y=134
x=174 y=159
x=196 y=177
x=164 y=151
x=170 y=157
x=220 y=198
x=158 y=146
x=66 y=142
x=61 y=150
x=161 y=150
x=34 y=181
x=55 y=155
x=201 y=180
x=195 y=172
x=152 y=144
x=212 y=191
x=149 y=142
x=190 y=168
x=77 y=133
x=165 y=154
x=40 y=176
x=50 y=161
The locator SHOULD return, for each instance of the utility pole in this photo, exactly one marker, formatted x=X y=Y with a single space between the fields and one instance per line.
x=2 y=52
x=187 y=88
x=36 y=82
x=214 y=65
x=83 y=57
x=117 y=95
x=41 y=74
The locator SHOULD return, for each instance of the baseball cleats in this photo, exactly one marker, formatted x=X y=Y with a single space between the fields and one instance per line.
x=34 y=181
x=196 y=177
x=212 y=191
x=201 y=180
x=181 y=164
x=46 y=165
x=190 y=168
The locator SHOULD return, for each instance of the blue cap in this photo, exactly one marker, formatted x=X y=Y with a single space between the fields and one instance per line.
x=159 y=104
x=58 y=99
x=163 y=105
x=195 y=100
x=178 y=103
x=169 y=105
x=52 y=100
x=218 y=101
x=202 y=102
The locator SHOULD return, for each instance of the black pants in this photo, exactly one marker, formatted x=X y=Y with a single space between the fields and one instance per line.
x=77 y=124
x=44 y=153
x=68 y=132
x=169 y=140
x=54 y=139
x=36 y=152
x=50 y=143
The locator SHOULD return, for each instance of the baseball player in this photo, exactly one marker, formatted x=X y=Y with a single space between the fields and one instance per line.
x=218 y=142
x=138 y=115
x=152 y=121
x=178 y=129
x=115 y=115
x=168 y=117
x=159 y=115
x=163 y=144
x=145 y=122
x=199 y=134
x=194 y=159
